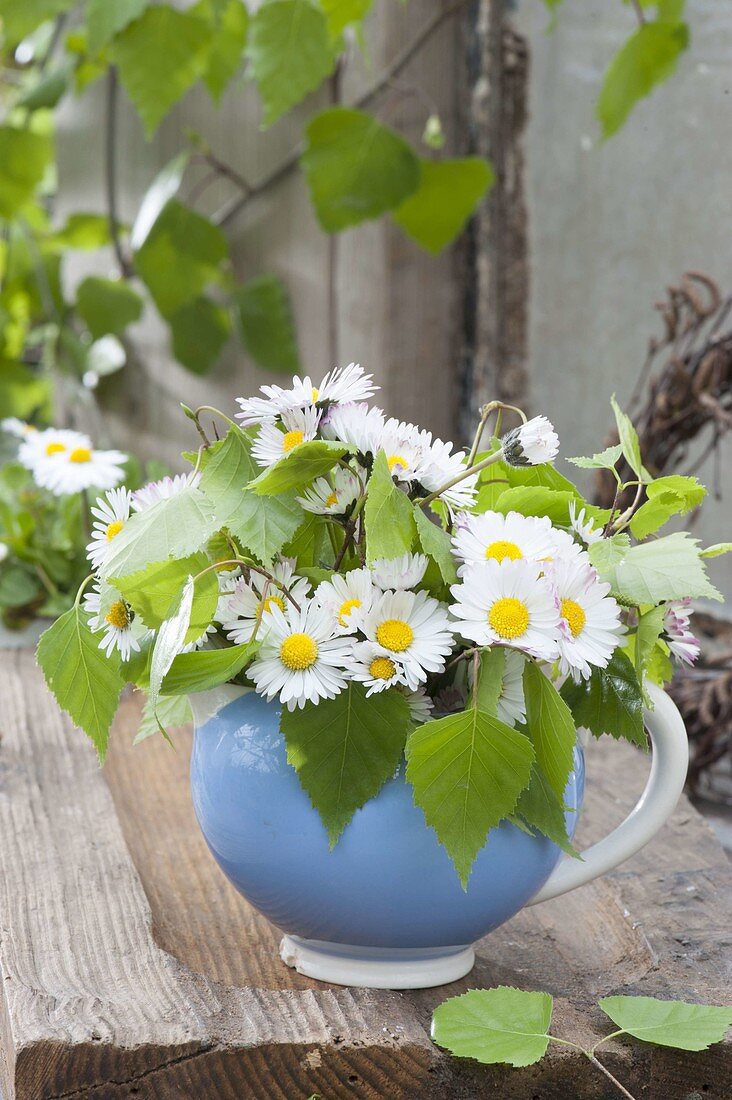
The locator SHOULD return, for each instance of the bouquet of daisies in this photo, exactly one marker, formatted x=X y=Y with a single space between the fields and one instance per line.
x=397 y=598
x=49 y=480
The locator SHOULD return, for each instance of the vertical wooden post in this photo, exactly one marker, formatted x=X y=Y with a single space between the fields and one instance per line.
x=497 y=291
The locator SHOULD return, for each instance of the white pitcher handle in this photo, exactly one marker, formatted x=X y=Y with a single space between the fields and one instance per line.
x=669 y=764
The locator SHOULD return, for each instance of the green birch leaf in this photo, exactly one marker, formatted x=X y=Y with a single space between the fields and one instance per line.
x=536 y=500
x=172 y=528
x=230 y=22
x=206 y=668
x=550 y=726
x=299 y=467
x=345 y=749
x=290 y=53
x=603 y=460
x=20 y=17
x=356 y=168
x=107 y=306
x=467 y=771
x=24 y=157
x=436 y=542
x=311 y=546
x=448 y=193
x=104 y=20
x=667 y=568
x=200 y=331
x=227 y=471
x=539 y=807
x=388 y=515
x=82 y=231
x=170 y=713
x=491 y=669
x=48 y=92
x=669 y=1023
x=155 y=590
x=267 y=324
x=611 y=701
x=264 y=524
x=628 y=440
x=648 y=631
x=646 y=59
x=716 y=550
x=85 y=683
x=180 y=256
x=667 y=496
x=495 y=1025
x=340 y=14
x=159 y=57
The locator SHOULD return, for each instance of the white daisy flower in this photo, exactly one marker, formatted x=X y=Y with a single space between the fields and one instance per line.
x=163 y=489
x=110 y=513
x=342 y=384
x=440 y=465
x=531 y=444
x=404 y=449
x=355 y=424
x=80 y=467
x=420 y=704
x=332 y=498
x=255 y=598
x=508 y=603
x=511 y=701
x=347 y=597
x=19 y=428
x=42 y=449
x=492 y=536
x=566 y=547
x=273 y=442
x=585 y=528
x=374 y=669
x=676 y=625
x=413 y=630
x=590 y=618
x=399 y=573
x=300 y=660
x=120 y=632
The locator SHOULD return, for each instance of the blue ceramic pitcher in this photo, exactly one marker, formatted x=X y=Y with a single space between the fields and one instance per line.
x=385 y=908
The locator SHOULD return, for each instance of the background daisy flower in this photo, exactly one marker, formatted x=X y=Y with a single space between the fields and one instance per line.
x=412 y=629
x=19 y=428
x=399 y=573
x=300 y=659
x=80 y=467
x=492 y=536
x=110 y=513
x=590 y=618
x=274 y=441
x=347 y=597
x=508 y=603
x=41 y=449
x=332 y=498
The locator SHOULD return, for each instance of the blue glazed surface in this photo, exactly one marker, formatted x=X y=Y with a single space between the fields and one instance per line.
x=387 y=883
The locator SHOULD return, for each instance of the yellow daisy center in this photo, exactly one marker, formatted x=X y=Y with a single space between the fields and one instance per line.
x=395 y=634
x=346 y=609
x=575 y=616
x=55 y=448
x=298 y=652
x=80 y=454
x=381 y=668
x=331 y=500
x=292 y=439
x=277 y=601
x=114 y=528
x=393 y=461
x=502 y=549
x=316 y=394
x=509 y=617
x=118 y=615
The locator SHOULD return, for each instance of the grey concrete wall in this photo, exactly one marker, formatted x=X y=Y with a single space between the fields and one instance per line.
x=611 y=224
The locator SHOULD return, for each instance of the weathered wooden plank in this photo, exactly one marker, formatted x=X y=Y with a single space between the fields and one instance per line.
x=130 y=966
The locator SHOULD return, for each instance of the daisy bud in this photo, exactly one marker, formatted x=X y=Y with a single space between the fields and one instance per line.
x=531 y=444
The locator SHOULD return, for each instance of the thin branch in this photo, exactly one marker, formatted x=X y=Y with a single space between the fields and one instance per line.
x=110 y=142
x=640 y=14
x=621 y=1088
x=383 y=81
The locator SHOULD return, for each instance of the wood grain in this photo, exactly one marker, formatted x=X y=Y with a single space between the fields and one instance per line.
x=130 y=967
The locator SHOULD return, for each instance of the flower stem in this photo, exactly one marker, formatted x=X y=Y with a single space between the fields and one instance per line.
x=467 y=472
x=351 y=525
x=82 y=586
x=485 y=413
